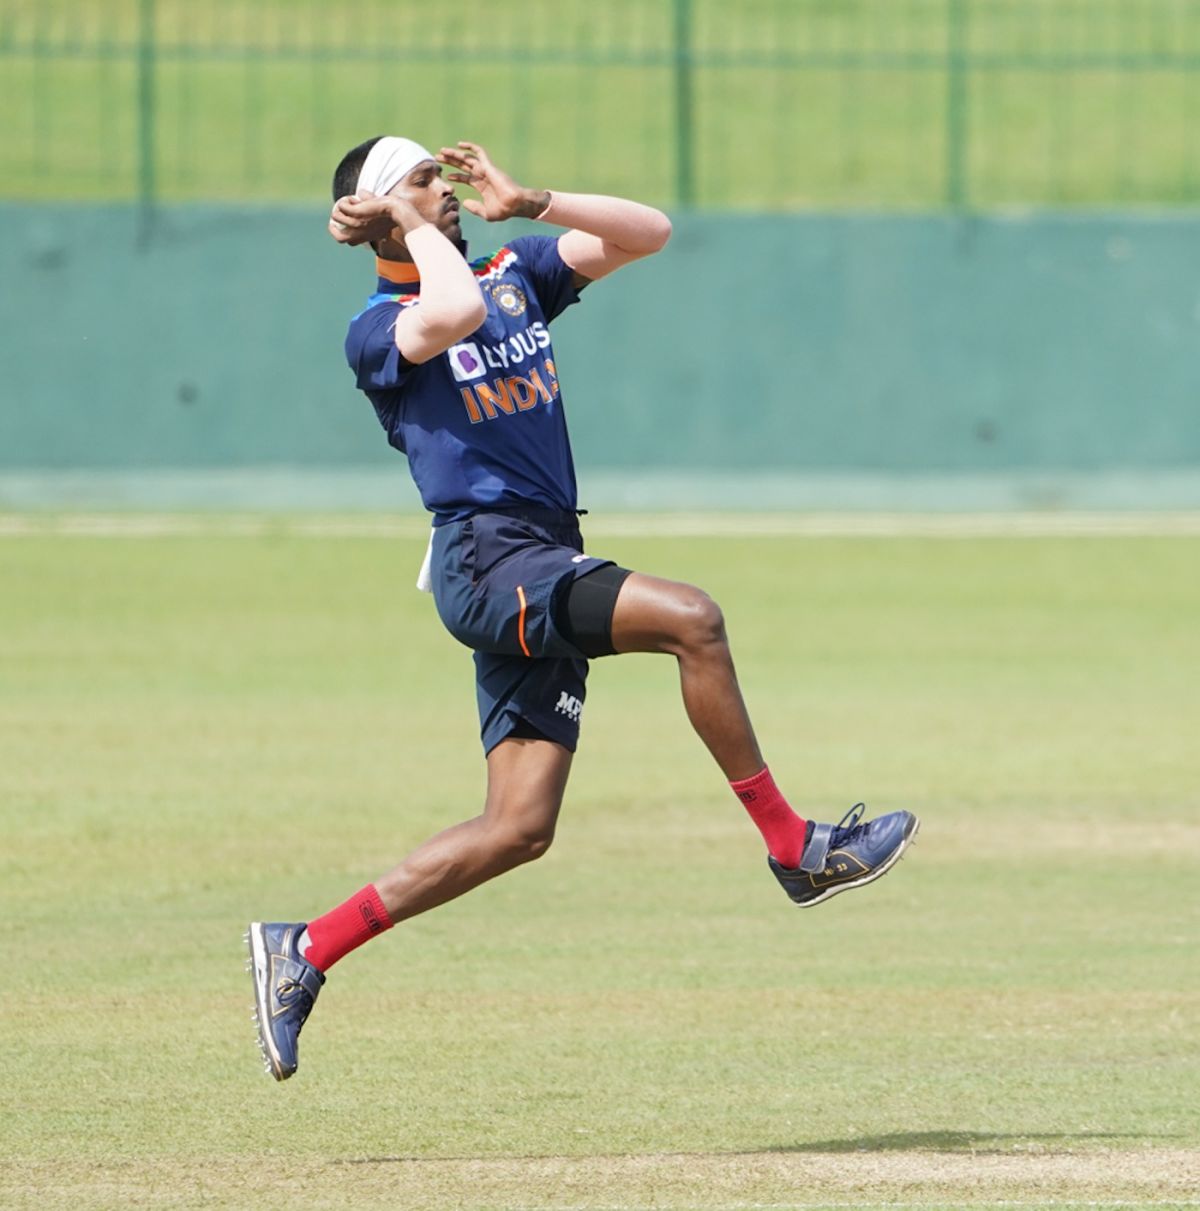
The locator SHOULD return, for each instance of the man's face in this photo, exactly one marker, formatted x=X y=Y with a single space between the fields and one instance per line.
x=432 y=198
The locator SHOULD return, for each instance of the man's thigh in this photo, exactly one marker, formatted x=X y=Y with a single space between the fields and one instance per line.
x=519 y=696
x=526 y=781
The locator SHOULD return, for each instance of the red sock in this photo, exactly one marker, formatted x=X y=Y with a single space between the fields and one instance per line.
x=782 y=829
x=345 y=928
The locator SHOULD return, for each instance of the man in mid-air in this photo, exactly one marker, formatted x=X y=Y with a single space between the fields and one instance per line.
x=455 y=356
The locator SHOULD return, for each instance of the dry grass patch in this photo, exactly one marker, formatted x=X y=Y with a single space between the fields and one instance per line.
x=910 y=1178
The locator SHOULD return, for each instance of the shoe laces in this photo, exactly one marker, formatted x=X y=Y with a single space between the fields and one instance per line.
x=291 y=994
x=847 y=826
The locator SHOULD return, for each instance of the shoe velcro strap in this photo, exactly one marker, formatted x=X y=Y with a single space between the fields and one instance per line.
x=303 y=973
x=311 y=980
x=817 y=849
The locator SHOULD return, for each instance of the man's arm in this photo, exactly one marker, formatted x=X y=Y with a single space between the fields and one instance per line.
x=451 y=306
x=606 y=232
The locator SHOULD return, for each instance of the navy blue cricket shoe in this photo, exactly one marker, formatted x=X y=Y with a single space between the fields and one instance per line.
x=285 y=988
x=849 y=854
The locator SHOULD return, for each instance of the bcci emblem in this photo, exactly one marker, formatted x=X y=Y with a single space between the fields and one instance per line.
x=510 y=299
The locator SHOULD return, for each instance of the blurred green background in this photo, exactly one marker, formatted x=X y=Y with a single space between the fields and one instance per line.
x=755 y=104
x=928 y=253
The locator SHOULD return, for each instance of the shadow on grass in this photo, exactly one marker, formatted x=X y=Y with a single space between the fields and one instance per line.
x=961 y=1141
x=977 y=1143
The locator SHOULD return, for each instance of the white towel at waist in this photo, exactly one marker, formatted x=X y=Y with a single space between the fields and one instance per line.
x=425 y=575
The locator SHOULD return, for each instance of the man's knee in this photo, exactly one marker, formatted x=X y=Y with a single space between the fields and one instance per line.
x=523 y=838
x=700 y=623
x=527 y=842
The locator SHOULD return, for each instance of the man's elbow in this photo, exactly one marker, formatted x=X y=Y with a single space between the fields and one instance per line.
x=653 y=232
x=428 y=330
x=451 y=324
x=475 y=315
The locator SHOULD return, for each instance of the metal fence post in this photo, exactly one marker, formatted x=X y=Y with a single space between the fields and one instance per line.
x=684 y=168
x=956 y=190
x=146 y=55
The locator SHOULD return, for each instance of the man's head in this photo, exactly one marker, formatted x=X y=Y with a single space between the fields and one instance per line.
x=346 y=174
x=390 y=165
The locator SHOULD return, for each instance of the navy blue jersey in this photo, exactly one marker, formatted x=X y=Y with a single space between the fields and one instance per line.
x=482 y=424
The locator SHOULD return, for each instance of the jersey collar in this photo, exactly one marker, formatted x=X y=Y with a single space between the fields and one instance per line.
x=399 y=273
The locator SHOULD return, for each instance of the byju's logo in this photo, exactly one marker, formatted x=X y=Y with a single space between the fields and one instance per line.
x=570 y=706
x=466 y=361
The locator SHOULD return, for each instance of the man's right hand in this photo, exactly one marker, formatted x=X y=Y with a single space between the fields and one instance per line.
x=367 y=218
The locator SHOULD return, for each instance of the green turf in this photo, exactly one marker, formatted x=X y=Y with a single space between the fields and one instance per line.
x=196 y=731
x=793 y=103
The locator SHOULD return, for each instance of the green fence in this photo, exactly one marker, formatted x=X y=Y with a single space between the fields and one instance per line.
x=823 y=360
x=750 y=104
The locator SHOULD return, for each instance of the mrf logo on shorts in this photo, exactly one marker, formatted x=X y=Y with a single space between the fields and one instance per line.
x=570 y=706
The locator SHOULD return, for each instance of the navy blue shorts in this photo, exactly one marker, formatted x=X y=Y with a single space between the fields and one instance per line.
x=497 y=581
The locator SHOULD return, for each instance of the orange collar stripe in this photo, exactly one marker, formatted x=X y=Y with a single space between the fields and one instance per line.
x=397 y=271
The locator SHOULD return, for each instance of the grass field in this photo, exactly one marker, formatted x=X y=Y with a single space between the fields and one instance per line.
x=198 y=730
x=788 y=103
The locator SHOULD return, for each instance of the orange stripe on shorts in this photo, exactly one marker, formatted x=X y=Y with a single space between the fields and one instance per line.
x=521 y=620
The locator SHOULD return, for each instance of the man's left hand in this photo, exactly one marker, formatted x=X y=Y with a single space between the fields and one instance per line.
x=500 y=197
x=359 y=220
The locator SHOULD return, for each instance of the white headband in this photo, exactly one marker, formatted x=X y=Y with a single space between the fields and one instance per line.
x=388 y=162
